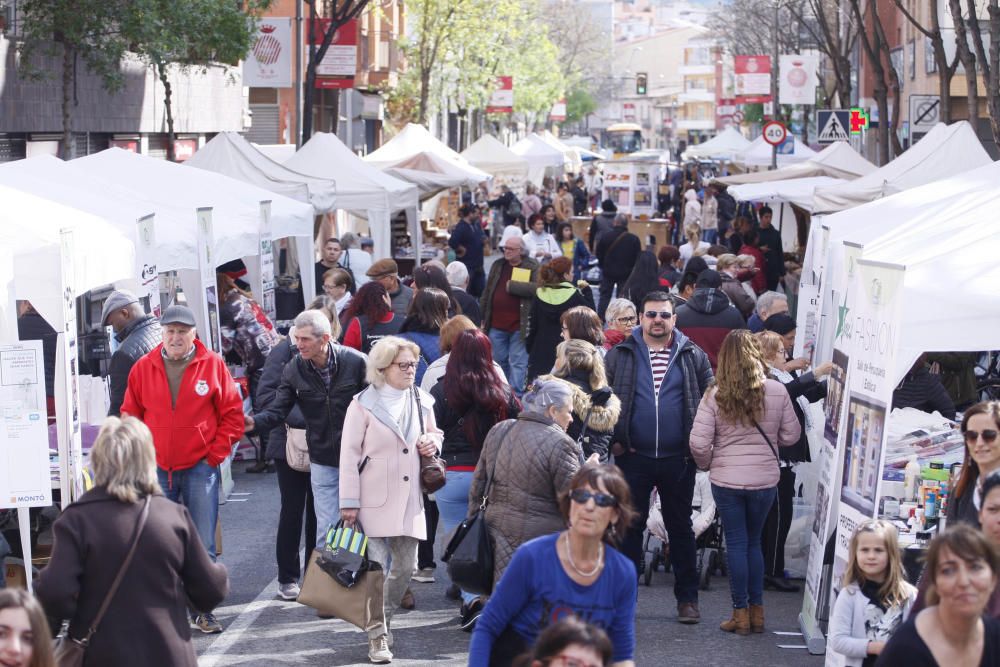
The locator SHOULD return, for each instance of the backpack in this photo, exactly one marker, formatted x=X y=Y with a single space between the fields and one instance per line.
x=513 y=209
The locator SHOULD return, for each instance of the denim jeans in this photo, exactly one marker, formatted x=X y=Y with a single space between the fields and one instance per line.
x=197 y=488
x=453 y=504
x=673 y=478
x=326 y=498
x=710 y=236
x=510 y=353
x=743 y=513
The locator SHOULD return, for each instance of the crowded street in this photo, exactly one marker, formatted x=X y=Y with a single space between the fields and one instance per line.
x=499 y=333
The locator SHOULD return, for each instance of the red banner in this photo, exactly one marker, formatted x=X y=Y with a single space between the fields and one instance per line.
x=502 y=99
x=753 y=79
x=340 y=63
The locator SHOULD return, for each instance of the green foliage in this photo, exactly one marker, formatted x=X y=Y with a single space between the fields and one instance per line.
x=753 y=113
x=579 y=104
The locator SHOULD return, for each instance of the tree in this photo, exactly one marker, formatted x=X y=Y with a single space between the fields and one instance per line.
x=585 y=47
x=579 y=105
x=72 y=30
x=968 y=59
x=338 y=13
x=835 y=35
x=872 y=44
x=945 y=70
x=989 y=63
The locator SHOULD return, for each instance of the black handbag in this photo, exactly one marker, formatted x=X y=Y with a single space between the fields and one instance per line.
x=469 y=553
x=344 y=556
x=432 y=468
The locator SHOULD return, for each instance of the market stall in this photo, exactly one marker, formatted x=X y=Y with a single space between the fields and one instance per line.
x=758 y=154
x=838 y=160
x=543 y=160
x=506 y=166
x=725 y=146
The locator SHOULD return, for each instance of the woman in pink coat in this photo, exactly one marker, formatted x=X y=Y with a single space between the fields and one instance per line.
x=741 y=422
x=387 y=428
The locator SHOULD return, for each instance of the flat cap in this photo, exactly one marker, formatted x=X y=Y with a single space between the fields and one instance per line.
x=115 y=301
x=382 y=267
x=178 y=315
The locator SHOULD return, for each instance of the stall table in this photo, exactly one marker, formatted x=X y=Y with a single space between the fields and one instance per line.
x=658 y=228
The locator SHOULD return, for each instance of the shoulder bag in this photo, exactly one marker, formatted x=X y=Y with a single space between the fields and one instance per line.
x=297 y=449
x=69 y=652
x=769 y=443
x=432 y=468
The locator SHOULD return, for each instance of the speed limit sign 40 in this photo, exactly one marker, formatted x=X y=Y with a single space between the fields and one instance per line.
x=774 y=133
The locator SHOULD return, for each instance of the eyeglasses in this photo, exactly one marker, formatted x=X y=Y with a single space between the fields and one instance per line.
x=509 y=249
x=329 y=286
x=989 y=436
x=405 y=365
x=664 y=314
x=581 y=496
x=628 y=319
x=566 y=661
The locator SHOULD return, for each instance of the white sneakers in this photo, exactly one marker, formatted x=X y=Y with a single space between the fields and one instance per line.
x=288 y=591
x=378 y=650
x=424 y=576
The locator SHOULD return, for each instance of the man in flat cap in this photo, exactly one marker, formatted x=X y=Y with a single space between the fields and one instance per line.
x=186 y=396
x=136 y=332
x=386 y=272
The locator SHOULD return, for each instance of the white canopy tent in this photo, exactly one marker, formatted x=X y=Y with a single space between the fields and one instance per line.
x=838 y=160
x=488 y=154
x=412 y=140
x=432 y=173
x=758 y=154
x=945 y=150
x=798 y=191
x=727 y=145
x=543 y=159
x=573 y=155
x=362 y=188
x=280 y=153
x=230 y=154
x=236 y=214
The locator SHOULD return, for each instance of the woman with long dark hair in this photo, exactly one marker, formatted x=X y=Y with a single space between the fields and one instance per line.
x=370 y=317
x=980 y=426
x=468 y=401
x=430 y=275
x=555 y=295
x=645 y=278
x=428 y=313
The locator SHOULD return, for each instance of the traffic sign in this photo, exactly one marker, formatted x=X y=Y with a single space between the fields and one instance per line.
x=859 y=120
x=774 y=132
x=925 y=112
x=787 y=147
x=833 y=125
x=738 y=116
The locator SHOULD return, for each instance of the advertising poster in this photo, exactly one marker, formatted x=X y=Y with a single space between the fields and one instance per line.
x=24 y=433
x=797 y=80
x=266 y=287
x=145 y=260
x=206 y=265
x=753 y=79
x=340 y=63
x=67 y=386
x=618 y=185
x=502 y=99
x=269 y=62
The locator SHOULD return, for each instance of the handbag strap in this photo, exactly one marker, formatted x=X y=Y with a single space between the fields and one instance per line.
x=121 y=572
x=769 y=443
x=493 y=469
x=420 y=409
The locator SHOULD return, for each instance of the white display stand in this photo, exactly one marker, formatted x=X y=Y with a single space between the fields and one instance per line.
x=631 y=185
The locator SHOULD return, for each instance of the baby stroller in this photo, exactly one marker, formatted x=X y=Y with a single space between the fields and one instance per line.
x=707 y=531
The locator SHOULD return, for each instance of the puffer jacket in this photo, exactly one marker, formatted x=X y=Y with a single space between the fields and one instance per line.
x=524 y=290
x=546 y=331
x=531 y=461
x=139 y=337
x=602 y=419
x=736 y=455
x=739 y=296
x=707 y=318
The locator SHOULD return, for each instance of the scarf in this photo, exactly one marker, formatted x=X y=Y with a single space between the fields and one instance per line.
x=784 y=377
x=402 y=407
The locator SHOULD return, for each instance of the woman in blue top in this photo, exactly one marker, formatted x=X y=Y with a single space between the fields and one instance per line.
x=576 y=572
x=428 y=312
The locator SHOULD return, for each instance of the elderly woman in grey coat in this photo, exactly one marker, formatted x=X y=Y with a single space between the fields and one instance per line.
x=530 y=461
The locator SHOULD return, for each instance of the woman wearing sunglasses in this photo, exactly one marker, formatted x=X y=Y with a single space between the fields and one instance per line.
x=578 y=571
x=980 y=426
x=387 y=428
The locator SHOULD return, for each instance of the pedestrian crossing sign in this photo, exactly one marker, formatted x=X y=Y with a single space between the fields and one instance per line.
x=833 y=125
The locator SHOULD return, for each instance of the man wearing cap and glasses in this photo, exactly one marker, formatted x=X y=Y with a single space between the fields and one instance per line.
x=184 y=393
x=660 y=377
x=386 y=272
x=136 y=332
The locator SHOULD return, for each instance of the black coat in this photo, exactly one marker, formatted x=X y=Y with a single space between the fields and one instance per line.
x=323 y=408
x=546 y=333
x=601 y=420
x=617 y=262
x=470 y=306
x=267 y=388
x=456 y=450
x=803 y=385
x=923 y=390
x=147 y=621
x=137 y=339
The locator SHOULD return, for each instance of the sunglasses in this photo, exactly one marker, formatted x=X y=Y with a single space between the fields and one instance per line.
x=989 y=436
x=405 y=365
x=664 y=314
x=600 y=499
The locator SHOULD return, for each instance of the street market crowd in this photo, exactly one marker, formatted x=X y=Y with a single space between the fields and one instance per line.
x=540 y=424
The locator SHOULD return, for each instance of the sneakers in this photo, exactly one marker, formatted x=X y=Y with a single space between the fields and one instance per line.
x=207 y=624
x=687 y=613
x=453 y=592
x=408 y=602
x=424 y=575
x=378 y=650
x=471 y=613
x=288 y=591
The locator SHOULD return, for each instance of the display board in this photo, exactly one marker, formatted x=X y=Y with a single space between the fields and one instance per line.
x=206 y=271
x=24 y=437
x=631 y=186
x=266 y=287
x=145 y=261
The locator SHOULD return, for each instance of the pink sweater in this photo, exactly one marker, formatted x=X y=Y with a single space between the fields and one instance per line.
x=736 y=455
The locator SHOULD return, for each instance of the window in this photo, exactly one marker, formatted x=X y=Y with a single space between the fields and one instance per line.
x=912 y=56
x=930 y=65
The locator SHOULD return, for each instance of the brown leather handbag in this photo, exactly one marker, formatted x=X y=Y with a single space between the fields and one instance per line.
x=432 y=468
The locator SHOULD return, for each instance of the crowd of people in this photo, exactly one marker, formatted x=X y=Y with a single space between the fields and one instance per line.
x=562 y=417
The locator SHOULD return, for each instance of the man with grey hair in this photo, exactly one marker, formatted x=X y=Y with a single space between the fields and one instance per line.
x=617 y=252
x=322 y=380
x=136 y=332
x=506 y=305
x=768 y=303
x=458 y=278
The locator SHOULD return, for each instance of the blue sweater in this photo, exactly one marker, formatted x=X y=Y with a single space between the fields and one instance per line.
x=535 y=592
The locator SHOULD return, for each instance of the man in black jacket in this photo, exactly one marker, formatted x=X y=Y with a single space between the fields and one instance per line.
x=322 y=381
x=617 y=252
x=769 y=240
x=136 y=332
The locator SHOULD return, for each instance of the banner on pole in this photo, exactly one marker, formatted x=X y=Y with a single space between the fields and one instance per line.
x=24 y=433
x=753 y=79
x=340 y=63
x=145 y=260
x=502 y=99
x=269 y=62
x=797 y=80
x=206 y=267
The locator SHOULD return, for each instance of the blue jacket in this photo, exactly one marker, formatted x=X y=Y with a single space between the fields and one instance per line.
x=470 y=237
x=430 y=349
x=657 y=426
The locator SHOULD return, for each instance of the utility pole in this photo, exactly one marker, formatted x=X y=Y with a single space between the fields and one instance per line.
x=298 y=74
x=774 y=82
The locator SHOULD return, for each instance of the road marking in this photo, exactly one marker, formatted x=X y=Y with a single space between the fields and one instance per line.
x=239 y=626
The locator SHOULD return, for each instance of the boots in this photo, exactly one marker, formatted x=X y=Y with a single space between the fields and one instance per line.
x=757 y=618
x=739 y=623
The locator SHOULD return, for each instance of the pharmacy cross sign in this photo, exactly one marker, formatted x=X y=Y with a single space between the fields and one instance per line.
x=859 y=120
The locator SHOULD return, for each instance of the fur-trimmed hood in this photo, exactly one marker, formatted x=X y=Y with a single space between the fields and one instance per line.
x=602 y=418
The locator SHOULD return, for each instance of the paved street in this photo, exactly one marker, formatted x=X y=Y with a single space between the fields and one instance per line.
x=262 y=630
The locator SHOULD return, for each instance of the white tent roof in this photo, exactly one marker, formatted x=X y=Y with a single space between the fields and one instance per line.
x=360 y=186
x=838 y=160
x=798 y=191
x=30 y=230
x=726 y=145
x=414 y=139
x=236 y=205
x=945 y=150
x=432 y=173
x=230 y=154
x=488 y=154
x=541 y=157
x=280 y=153
x=758 y=154
x=574 y=157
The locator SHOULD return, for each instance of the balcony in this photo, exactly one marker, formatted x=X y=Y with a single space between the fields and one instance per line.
x=694 y=96
x=695 y=70
x=684 y=124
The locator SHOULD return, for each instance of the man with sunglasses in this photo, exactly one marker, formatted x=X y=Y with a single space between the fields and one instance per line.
x=660 y=377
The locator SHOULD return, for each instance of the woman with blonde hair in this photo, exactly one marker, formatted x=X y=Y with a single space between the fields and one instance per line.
x=694 y=246
x=387 y=428
x=728 y=266
x=741 y=422
x=25 y=638
x=582 y=366
x=146 y=622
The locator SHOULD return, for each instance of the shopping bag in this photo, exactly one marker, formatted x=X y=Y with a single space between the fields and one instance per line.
x=360 y=605
x=469 y=555
x=344 y=555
